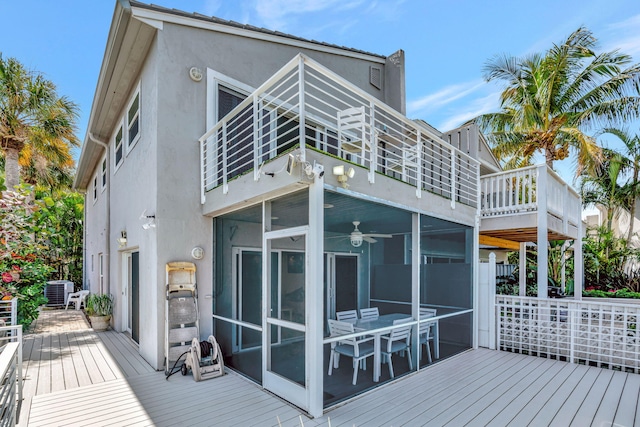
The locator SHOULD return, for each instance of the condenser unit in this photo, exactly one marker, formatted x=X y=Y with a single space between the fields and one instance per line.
x=57 y=292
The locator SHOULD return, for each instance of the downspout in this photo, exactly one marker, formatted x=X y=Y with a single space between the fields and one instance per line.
x=108 y=223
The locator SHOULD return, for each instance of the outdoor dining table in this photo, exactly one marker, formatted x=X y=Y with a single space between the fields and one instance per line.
x=383 y=321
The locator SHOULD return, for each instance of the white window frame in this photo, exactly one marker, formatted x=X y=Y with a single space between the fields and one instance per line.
x=215 y=79
x=117 y=165
x=95 y=188
x=104 y=168
x=131 y=143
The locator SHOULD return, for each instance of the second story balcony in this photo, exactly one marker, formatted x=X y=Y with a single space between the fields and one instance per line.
x=306 y=107
x=514 y=204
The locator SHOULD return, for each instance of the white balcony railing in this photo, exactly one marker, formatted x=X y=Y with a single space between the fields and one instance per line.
x=591 y=333
x=307 y=106
x=516 y=191
x=10 y=373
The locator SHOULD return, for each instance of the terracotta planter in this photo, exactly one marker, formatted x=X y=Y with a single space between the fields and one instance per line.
x=99 y=323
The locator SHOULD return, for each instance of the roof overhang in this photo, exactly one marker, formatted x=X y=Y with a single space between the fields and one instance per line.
x=127 y=45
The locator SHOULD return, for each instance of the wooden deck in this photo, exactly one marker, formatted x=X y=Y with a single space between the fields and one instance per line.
x=80 y=377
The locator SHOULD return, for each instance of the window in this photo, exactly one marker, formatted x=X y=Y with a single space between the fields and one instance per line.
x=95 y=188
x=133 y=121
x=118 y=148
x=104 y=174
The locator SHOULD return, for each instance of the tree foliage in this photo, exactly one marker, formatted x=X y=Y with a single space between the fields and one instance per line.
x=39 y=241
x=37 y=126
x=550 y=100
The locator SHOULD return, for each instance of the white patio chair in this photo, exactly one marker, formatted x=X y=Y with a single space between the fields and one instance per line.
x=369 y=313
x=78 y=298
x=347 y=315
x=398 y=340
x=356 y=348
x=426 y=329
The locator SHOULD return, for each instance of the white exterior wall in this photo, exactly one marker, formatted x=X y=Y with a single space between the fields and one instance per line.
x=95 y=229
x=160 y=173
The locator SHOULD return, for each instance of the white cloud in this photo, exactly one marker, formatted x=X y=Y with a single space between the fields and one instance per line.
x=477 y=107
x=442 y=97
x=624 y=35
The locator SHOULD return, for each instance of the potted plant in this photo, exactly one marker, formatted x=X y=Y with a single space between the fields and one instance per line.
x=99 y=308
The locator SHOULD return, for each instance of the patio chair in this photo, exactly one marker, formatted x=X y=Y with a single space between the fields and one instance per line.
x=347 y=315
x=425 y=334
x=78 y=298
x=369 y=313
x=398 y=340
x=356 y=348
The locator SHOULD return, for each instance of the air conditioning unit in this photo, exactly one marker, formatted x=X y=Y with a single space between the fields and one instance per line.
x=57 y=291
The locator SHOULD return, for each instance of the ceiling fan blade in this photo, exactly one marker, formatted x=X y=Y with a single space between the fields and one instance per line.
x=382 y=236
x=368 y=239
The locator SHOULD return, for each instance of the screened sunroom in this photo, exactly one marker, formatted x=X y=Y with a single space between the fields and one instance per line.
x=273 y=313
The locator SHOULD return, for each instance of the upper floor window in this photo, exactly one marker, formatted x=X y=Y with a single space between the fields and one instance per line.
x=133 y=121
x=104 y=173
x=95 y=188
x=118 y=148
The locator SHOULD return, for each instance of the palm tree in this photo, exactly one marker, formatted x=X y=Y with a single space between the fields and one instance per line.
x=550 y=100
x=631 y=160
x=601 y=187
x=36 y=125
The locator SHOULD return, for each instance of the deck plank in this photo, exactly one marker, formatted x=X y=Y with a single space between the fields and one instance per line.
x=115 y=386
x=531 y=391
x=573 y=401
x=606 y=410
x=628 y=404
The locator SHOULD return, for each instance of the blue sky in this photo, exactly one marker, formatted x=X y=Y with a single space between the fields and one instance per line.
x=446 y=42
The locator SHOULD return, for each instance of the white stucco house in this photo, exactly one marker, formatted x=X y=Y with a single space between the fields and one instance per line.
x=291 y=165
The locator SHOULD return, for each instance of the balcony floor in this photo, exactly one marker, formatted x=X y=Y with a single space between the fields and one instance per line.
x=80 y=377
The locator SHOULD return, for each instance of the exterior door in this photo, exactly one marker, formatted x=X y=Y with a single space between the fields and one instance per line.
x=135 y=296
x=285 y=370
x=341 y=283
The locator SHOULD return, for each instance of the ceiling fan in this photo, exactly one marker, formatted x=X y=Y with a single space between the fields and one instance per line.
x=357 y=237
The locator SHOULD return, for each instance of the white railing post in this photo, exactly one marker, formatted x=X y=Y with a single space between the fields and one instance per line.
x=225 y=186
x=256 y=140
x=492 y=301
x=453 y=179
x=14 y=311
x=419 y=165
x=301 y=108
x=203 y=178
x=543 y=251
x=373 y=155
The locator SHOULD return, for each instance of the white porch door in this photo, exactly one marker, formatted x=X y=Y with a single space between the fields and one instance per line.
x=285 y=370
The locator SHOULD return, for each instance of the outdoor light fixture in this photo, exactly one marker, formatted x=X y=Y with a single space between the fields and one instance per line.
x=344 y=175
x=151 y=220
x=122 y=240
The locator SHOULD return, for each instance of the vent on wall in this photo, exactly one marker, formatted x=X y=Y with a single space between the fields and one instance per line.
x=375 y=77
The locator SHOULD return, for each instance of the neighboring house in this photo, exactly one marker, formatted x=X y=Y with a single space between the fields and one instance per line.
x=243 y=142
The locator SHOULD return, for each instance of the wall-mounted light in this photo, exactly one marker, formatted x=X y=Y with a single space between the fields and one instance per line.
x=122 y=240
x=195 y=73
x=151 y=220
x=343 y=174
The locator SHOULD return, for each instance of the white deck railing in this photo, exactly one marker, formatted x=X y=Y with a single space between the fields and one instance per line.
x=307 y=106
x=516 y=191
x=10 y=374
x=591 y=333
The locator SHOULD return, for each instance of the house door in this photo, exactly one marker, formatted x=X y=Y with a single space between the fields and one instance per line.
x=341 y=279
x=131 y=294
x=285 y=370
